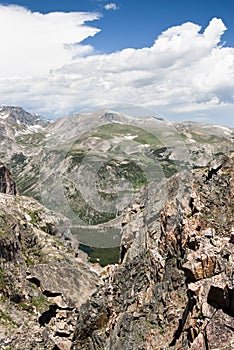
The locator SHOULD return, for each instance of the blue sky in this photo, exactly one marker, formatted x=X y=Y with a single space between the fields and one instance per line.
x=136 y=23
x=108 y=46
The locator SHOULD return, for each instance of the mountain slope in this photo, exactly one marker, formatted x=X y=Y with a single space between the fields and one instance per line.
x=154 y=197
x=90 y=166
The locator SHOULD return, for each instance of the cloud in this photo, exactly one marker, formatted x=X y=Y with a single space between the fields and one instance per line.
x=33 y=43
x=185 y=72
x=111 y=6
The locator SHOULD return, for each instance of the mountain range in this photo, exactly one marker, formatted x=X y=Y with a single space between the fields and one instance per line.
x=116 y=232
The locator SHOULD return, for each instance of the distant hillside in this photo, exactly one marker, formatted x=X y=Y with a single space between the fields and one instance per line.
x=89 y=166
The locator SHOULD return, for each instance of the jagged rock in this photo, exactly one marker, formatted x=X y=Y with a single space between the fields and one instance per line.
x=174 y=286
x=221 y=294
x=41 y=280
x=199 y=266
x=199 y=343
x=7 y=184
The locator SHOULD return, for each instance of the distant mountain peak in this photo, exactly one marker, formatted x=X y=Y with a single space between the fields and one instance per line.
x=111 y=116
x=17 y=115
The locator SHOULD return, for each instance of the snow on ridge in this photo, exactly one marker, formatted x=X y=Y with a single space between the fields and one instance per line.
x=4 y=115
x=226 y=129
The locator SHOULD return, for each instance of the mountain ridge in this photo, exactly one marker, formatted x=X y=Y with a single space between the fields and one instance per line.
x=168 y=276
x=137 y=149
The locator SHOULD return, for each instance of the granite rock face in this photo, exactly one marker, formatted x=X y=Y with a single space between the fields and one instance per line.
x=173 y=288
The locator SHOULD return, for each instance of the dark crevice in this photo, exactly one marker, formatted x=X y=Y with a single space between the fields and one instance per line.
x=56 y=347
x=182 y=321
x=222 y=299
x=63 y=334
x=206 y=341
x=48 y=315
x=179 y=241
x=212 y=172
x=194 y=210
x=229 y=327
x=16 y=298
x=122 y=253
x=49 y=293
x=34 y=280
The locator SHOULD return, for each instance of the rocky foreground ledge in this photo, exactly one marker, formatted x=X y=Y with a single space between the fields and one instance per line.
x=174 y=286
x=172 y=289
x=43 y=280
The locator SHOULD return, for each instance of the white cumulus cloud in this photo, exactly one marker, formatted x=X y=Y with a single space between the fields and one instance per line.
x=111 y=6
x=186 y=73
x=33 y=43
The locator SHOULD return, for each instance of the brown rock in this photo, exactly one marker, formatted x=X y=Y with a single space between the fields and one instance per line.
x=199 y=343
x=220 y=333
x=64 y=345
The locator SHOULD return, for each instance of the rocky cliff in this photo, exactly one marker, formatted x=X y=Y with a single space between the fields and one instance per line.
x=43 y=279
x=173 y=288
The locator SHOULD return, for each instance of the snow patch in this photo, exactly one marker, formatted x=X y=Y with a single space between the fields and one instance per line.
x=130 y=137
x=4 y=115
x=226 y=130
x=34 y=128
x=27 y=217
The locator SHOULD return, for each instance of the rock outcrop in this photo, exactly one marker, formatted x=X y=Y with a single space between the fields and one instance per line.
x=42 y=280
x=173 y=288
x=7 y=184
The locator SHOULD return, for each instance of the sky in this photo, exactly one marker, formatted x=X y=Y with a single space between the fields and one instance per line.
x=173 y=58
